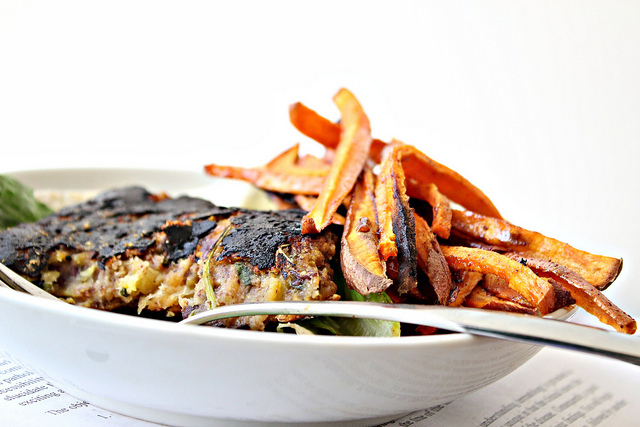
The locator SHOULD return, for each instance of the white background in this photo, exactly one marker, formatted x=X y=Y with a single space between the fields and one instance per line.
x=537 y=103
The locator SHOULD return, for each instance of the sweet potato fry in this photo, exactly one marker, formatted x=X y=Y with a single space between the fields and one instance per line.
x=282 y=174
x=362 y=266
x=351 y=155
x=586 y=295
x=421 y=171
x=432 y=261
x=499 y=287
x=535 y=289
x=305 y=202
x=308 y=202
x=284 y=160
x=313 y=125
x=309 y=161
x=480 y=298
x=295 y=182
x=384 y=200
x=396 y=221
x=322 y=130
x=563 y=296
x=463 y=284
x=289 y=162
x=441 y=207
x=598 y=270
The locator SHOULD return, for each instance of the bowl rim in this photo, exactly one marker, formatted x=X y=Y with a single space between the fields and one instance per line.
x=118 y=320
x=54 y=176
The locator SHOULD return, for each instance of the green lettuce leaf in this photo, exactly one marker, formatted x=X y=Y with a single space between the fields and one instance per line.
x=17 y=203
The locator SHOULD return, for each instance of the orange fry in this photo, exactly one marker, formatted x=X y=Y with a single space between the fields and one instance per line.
x=432 y=262
x=385 y=199
x=351 y=155
x=536 y=290
x=481 y=298
x=322 y=130
x=363 y=268
x=586 y=295
x=313 y=125
x=308 y=202
x=598 y=270
x=396 y=221
x=421 y=171
x=499 y=287
x=314 y=163
x=289 y=162
x=282 y=174
x=463 y=284
x=441 y=224
x=300 y=182
x=285 y=159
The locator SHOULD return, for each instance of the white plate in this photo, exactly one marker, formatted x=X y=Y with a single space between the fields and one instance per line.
x=167 y=373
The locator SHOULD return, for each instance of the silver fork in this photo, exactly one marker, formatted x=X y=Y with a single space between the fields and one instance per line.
x=10 y=279
x=510 y=326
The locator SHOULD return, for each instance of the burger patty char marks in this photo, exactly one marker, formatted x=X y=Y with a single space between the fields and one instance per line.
x=128 y=248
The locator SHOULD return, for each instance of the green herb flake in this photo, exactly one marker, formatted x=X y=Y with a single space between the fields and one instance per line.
x=244 y=273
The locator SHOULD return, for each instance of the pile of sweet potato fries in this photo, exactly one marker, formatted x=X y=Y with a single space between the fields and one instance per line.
x=403 y=235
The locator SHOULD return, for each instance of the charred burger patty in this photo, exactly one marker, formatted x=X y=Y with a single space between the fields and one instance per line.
x=130 y=249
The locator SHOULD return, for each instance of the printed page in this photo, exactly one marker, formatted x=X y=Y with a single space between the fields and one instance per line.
x=27 y=399
x=556 y=389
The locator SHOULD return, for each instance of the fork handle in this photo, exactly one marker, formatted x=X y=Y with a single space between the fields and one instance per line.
x=510 y=326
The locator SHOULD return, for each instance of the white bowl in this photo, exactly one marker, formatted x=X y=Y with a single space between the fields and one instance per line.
x=168 y=373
